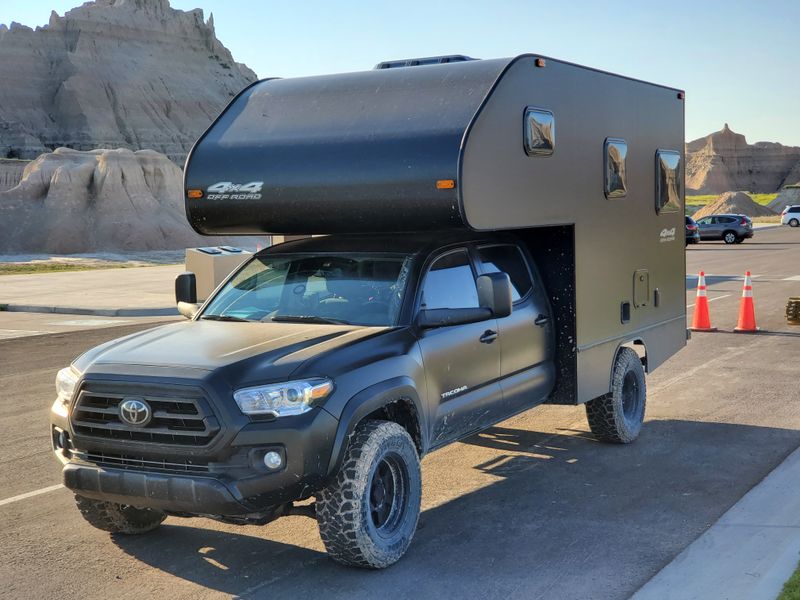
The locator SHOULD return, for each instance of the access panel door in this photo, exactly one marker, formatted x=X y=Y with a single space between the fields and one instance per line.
x=462 y=362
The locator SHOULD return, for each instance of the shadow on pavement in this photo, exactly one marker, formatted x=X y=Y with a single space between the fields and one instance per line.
x=560 y=516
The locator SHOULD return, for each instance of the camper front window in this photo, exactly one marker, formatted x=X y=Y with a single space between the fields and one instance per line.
x=353 y=289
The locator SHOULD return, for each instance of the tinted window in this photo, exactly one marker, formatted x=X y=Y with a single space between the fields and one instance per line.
x=450 y=283
x=363 y=289
x=794 y=209
x=727 y=220
x=507 y=259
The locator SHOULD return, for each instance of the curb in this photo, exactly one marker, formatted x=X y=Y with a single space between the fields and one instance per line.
x=99 y=312
x=748 y=553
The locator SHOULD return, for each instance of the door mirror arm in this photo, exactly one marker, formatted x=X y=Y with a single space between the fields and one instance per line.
x=445 y=317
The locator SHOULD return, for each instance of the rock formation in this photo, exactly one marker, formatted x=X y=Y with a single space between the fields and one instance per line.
x=737 y=203
x=113 y=73
x=111 y=200
x=11 y=173
x=724 y=161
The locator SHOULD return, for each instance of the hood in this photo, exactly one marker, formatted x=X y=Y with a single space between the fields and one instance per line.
x=210 y=345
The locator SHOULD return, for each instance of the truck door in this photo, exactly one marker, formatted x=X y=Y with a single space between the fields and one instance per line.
x=462 y=362
x=526 y=335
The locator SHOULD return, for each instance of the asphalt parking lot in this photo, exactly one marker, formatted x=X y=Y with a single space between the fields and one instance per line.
x=532 y=508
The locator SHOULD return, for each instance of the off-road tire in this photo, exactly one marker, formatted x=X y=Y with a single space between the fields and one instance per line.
x=729 y=237
x=617 y=417
x=119 y=518
x=794 y=223
x=344 y=510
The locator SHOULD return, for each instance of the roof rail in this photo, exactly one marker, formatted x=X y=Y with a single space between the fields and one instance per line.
x=430 y=60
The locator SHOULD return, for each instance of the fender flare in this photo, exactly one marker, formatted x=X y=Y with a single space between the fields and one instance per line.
x=367 y=401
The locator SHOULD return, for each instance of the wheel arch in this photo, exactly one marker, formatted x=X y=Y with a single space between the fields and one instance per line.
x=393 y=400
x=636 y=344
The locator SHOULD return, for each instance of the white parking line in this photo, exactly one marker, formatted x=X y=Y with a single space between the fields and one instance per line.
x=710 y=300
x=52 y=488
x=793 y=278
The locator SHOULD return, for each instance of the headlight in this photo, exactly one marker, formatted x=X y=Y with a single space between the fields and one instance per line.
x=66 y=380
x=283 y=399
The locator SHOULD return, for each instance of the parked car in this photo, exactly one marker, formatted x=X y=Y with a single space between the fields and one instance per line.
x=731 y=229
x=692 y=232
x=791 y=216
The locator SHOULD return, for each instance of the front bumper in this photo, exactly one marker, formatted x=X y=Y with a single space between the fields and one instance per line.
x=232 y=481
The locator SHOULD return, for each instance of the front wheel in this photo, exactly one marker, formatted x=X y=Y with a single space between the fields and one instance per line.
x=368 y=514
x=119 y=518
x=794 y=223
x=729 y=237
x=617 y=417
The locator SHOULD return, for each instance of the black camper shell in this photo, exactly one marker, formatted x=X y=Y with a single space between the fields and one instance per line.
x=585 y=166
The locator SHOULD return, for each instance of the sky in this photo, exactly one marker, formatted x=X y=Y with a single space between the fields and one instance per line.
x=739 y=61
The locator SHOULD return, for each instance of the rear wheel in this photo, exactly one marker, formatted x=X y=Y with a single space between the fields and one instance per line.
x=729 y=237
x=617 y=417
x=368 y=514
x=119 y=518
x=794 y=223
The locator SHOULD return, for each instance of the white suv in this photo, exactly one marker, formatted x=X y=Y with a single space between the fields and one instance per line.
x=791 y=216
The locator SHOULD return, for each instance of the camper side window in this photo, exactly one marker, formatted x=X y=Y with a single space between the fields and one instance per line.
x=668 y=181
x=616 y=180
x=450 y=283
x=540 y=132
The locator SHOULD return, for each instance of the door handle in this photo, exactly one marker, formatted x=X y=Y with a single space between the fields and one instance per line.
x=541 y=320
x=488 y=336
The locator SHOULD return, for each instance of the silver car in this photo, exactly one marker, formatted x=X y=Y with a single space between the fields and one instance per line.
x=731 y=229
x=791 y=216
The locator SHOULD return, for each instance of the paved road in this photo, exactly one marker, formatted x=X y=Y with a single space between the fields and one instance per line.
x=533 y=508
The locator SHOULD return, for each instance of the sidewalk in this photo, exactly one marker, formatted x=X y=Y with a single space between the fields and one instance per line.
x=747 y=554
x=131 y=292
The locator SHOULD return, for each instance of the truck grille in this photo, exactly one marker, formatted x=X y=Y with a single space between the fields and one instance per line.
x=127 y=461
x=183 y=420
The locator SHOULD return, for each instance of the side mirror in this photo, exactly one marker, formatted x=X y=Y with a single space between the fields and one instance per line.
x=494 y=293
x=186 y=294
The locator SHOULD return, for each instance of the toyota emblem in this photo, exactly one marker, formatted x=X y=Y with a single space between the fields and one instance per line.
x=135 y=412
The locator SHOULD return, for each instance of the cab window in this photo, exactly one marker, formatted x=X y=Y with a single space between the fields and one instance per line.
x=450 y=283
x=507 y=259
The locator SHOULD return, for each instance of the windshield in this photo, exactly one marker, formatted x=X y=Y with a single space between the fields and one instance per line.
x=357 y=289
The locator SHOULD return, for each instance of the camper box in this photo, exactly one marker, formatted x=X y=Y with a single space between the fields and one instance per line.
x=585 y=167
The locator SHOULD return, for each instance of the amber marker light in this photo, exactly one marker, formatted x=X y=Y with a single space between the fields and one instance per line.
x=194 y=194
x=445 y=184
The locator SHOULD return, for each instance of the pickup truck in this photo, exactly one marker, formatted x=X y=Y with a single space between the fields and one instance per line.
x=480 y=237
x=324 y=367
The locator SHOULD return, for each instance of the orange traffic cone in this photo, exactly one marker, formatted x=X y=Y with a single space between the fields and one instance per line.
x=747 y=312
x=701 y=320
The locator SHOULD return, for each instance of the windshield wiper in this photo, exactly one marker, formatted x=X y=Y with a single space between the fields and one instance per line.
x=226 y=318
x=308 y=319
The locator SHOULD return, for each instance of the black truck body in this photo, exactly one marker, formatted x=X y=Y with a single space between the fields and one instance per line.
x=499 y=234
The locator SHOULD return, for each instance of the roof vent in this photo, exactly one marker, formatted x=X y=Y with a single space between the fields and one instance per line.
x=430 y=60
